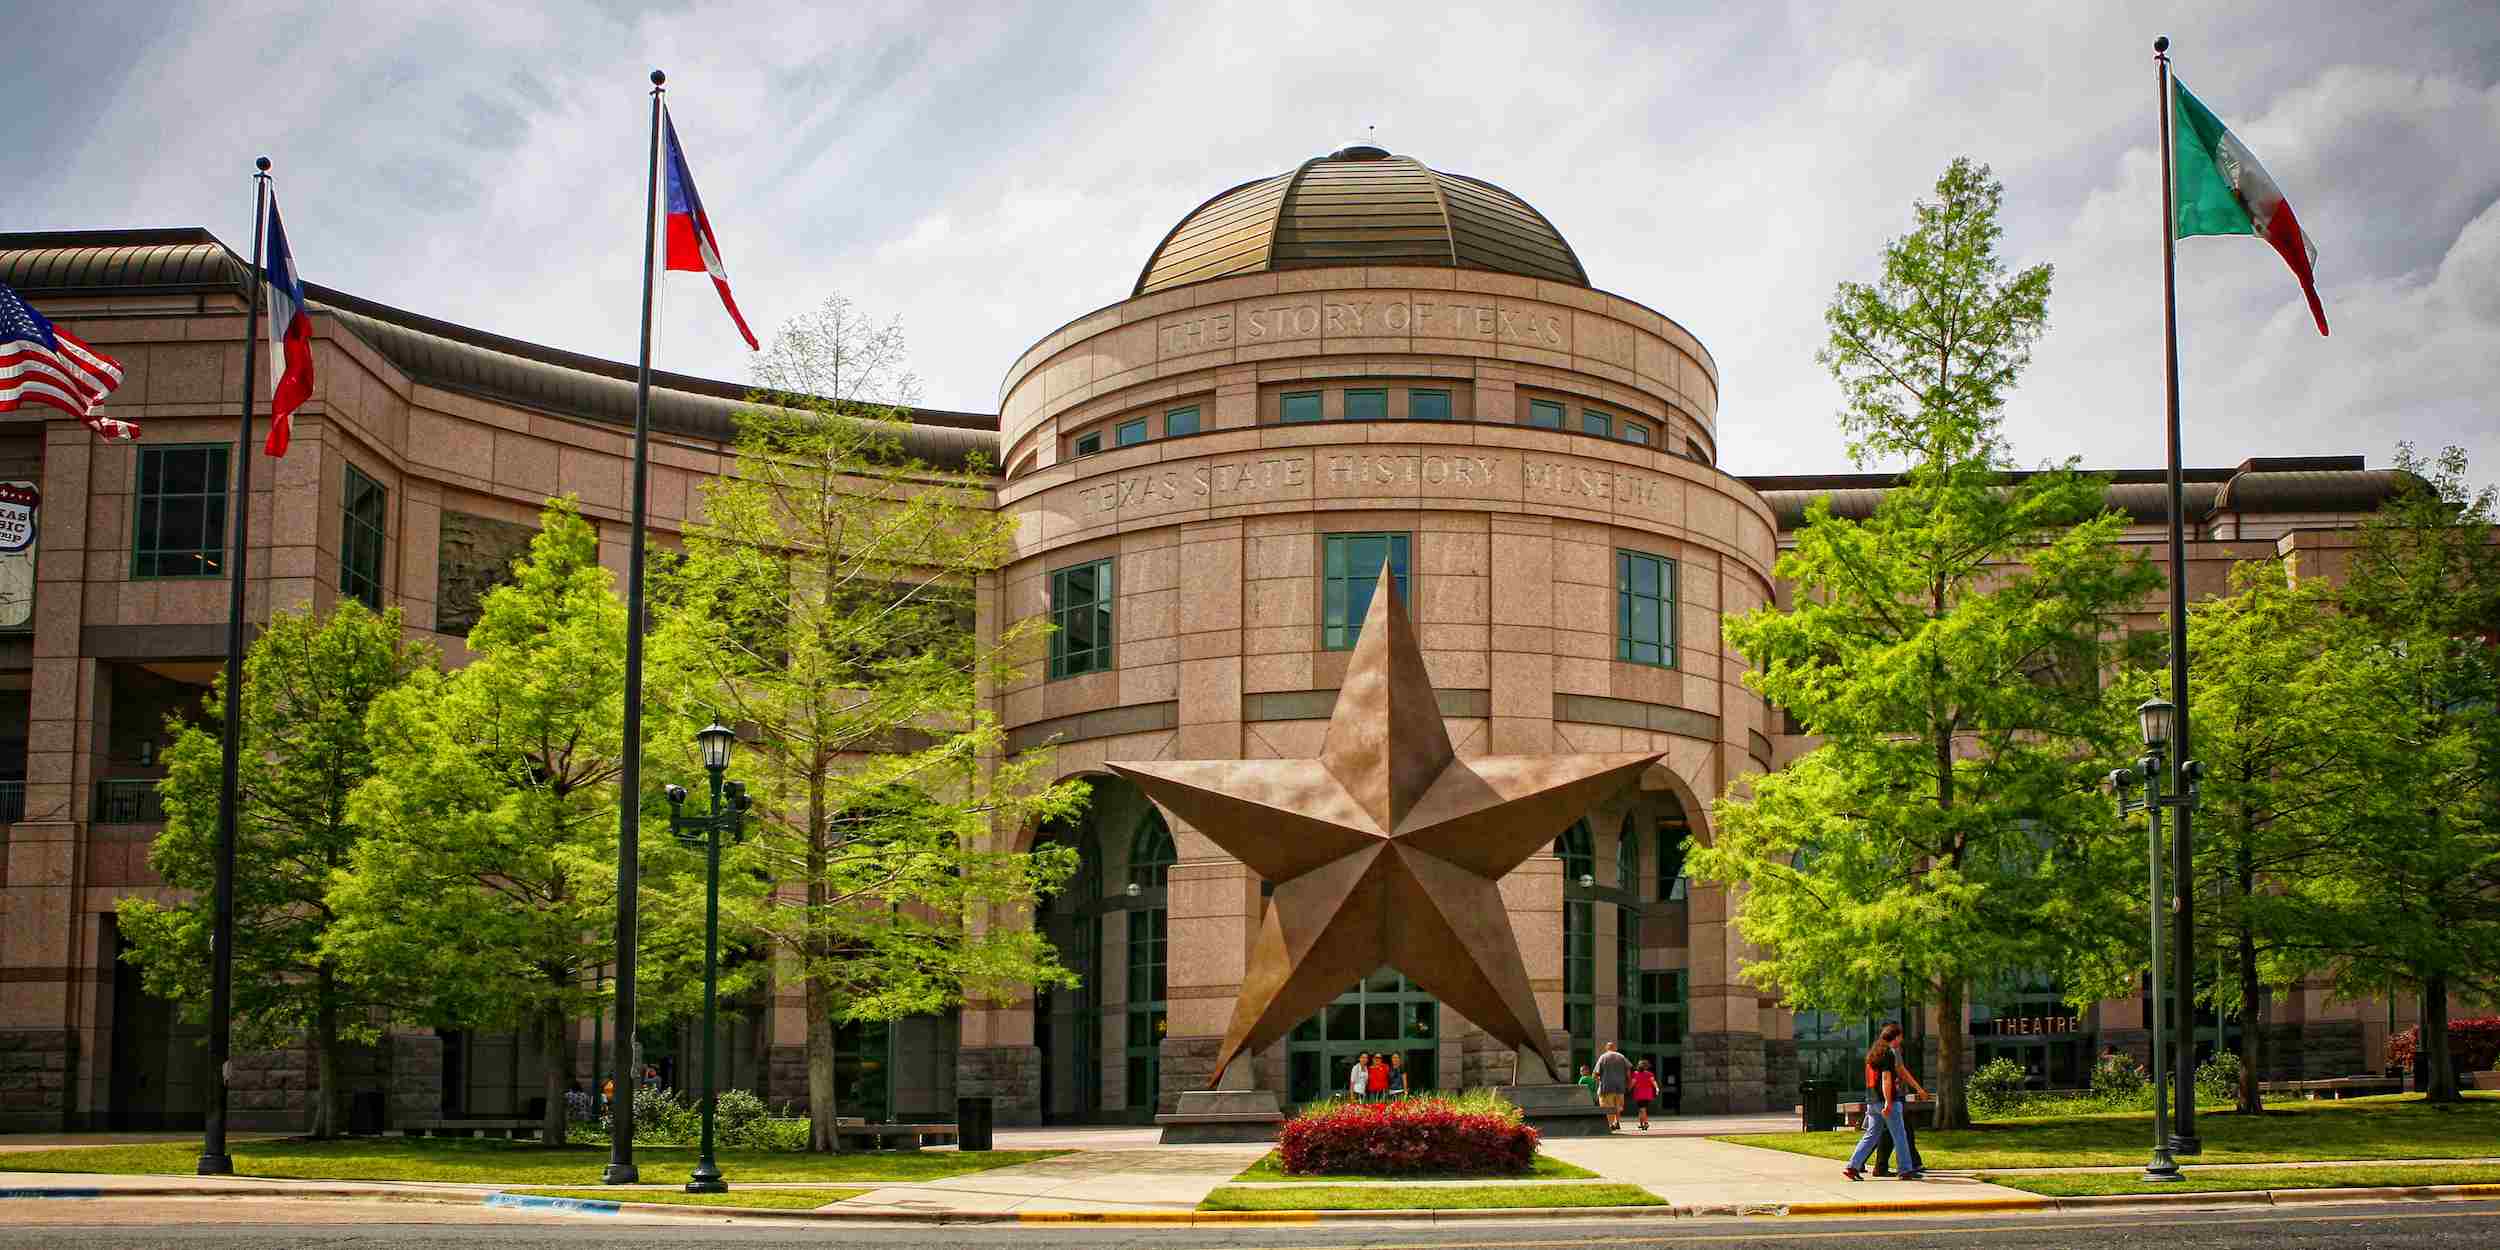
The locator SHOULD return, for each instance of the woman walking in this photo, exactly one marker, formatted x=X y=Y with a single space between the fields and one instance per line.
x=1644 y=1091
x=1882 y=1107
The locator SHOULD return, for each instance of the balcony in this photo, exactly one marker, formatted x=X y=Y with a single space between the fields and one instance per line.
x=127 y=801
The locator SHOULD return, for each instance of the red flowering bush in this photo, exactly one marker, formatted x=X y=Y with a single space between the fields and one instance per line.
x=1411 y=1136
x=2474 y=1044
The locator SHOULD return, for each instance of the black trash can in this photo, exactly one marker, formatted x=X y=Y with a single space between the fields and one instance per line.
x=973 y=1124
x=1822 y=1105
x=364 y=1113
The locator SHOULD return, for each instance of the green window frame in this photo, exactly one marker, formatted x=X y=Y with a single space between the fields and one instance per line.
x=1088 y=444
x=1427 y=405
x=1297 y=407
x=1129 y=433
x=1149 y=980
x=1179 y=421
x=1351 y=571
x=1151 y=852
x=1644 y=609
x=1635 y=432
x=1674 y=831
x=1545 y=414
x=1594 y=422
x=1371 y=404
x=1081 y=597
x=1628 y=860
x=362 y=534
x=1627 y=974
x=179 y=511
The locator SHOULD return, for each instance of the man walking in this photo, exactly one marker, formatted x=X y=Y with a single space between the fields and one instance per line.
x=1911 y=1168
x=1614 y=1076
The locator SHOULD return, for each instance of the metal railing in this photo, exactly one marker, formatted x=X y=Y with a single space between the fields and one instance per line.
x=128 y=801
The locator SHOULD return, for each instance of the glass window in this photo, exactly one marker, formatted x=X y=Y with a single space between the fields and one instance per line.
x=1352 y=571
x=1644 y=609
x=1635 y=432
x=1080 y=617
x=1129 y=433
x=1088 y=444
x=1180 y=421
x=1597 y=423
x=1298 y=407
x=1428 y=405
x=1545 y=413
x=360 y=540
x=1366 y=405
x=1150 y=852
x=1578 y=852
x=1673 y=832
x=1628 y=860
x=181 y=512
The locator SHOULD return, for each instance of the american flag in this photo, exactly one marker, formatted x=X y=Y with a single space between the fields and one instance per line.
x=40 y=363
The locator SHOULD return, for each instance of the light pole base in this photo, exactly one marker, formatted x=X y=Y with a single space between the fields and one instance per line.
x=216 y=1165
x=2189 y=1146
x=714 y=1185
x=621 y=1174
x=2163 y=1169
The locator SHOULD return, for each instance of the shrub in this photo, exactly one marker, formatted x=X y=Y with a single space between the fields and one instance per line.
x=1474 y=1133
x=1996 y=1087
x=2119 y=1082
x=2218 y=1080
x=2474 y=1044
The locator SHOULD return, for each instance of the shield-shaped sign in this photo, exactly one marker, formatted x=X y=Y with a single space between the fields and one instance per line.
x=17 y=515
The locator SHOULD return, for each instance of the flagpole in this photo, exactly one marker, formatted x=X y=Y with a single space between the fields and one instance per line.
x=2183 y=1139
x=621 y=1170
x=214 y=1161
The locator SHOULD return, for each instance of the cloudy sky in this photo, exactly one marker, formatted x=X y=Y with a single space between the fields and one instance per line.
x=986 y=173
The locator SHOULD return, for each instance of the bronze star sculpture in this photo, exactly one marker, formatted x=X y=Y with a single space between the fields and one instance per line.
x=1386 y=850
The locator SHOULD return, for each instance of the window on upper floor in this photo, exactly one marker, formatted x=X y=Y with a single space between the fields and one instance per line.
x=1644 y=609
x=1635 y=432
x=1428 y=405
x=1088 y=444
x=1367 y=405
x=1179 y=421
x=180 y=511
x=361 y=529
x=1129 y=433
x=1351 y=572
x=1594 y=422
x=1080 y=618
x=1298 y=407
x=1545 y=414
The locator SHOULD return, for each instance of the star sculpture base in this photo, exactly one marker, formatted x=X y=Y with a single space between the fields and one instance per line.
x=1223 y=1117
x=1557 y=1110
x=1387 y=851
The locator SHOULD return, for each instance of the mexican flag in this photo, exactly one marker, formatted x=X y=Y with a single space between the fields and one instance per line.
x=2219 y=188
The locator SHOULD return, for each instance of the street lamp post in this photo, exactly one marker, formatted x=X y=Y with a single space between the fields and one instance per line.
x=706 y=832
x=2155 y=720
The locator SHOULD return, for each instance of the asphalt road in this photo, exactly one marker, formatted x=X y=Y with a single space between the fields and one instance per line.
x=60 y=1224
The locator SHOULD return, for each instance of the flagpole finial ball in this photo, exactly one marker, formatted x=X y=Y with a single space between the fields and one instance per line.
x=262 y=164
x=658 y=78
x=2161 y=43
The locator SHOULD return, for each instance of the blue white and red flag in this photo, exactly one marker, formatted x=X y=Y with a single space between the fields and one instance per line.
x=290 y=336
x=688 y=229
x=41 y=363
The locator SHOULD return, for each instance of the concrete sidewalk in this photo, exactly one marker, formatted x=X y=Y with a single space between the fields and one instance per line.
x=1720 y=1177
x=1157 y=1179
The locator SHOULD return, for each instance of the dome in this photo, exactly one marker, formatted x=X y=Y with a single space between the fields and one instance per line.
x=1359 y=205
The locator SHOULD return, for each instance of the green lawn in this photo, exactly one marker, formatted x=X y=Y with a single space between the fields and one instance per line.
x=1424 y=1197
x=492 y=1162
x=2075 y=1184
x=771 y=1199
x=2391 y=1127
x=1547 y=1168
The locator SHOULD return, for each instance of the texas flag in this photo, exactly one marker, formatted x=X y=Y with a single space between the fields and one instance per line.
x=691 y=246
x=290 y=335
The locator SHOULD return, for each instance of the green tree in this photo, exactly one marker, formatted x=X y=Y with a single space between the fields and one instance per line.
x=1950 y=827
x=2414 y=900
x=489 y=880
x=2278 y=708
x=308 y=685
x=826 y=604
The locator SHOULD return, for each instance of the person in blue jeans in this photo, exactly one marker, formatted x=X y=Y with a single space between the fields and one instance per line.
x=1882 y=1107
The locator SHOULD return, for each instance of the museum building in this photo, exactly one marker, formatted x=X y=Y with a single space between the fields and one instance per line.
x=1359 y=362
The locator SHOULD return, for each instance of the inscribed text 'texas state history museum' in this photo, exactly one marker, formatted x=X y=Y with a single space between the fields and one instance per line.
x=1355 y=361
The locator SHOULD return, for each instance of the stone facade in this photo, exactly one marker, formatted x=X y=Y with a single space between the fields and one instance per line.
x=1781 y=1074
x=1725 y=1072
x=1009 y=1076
x=36 y=1068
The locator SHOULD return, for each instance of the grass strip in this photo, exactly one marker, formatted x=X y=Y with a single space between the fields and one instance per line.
x=486 y=1161
x=2239 y=1180
x=1425 y=1197
x=769 y=1199
x=1546 y=1168
x=2388 y=1127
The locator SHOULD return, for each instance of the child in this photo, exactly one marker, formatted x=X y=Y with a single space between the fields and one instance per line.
x=1644 y=1091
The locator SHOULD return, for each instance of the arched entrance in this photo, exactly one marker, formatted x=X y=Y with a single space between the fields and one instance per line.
x=1100 y=1041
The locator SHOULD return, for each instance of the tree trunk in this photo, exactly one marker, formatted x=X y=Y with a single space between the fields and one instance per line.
x=2252 y=995
x=2442 y=1083
x=325 y=1110
x=1952 y=1093
x=555 y=1048
x=820 y=1108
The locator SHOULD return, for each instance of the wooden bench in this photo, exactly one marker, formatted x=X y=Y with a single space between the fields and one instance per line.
x=509 y=1129
x=2336 y=1088
x=861 y=1135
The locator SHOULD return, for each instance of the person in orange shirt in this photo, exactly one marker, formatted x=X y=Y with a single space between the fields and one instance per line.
x=1376 y=1084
